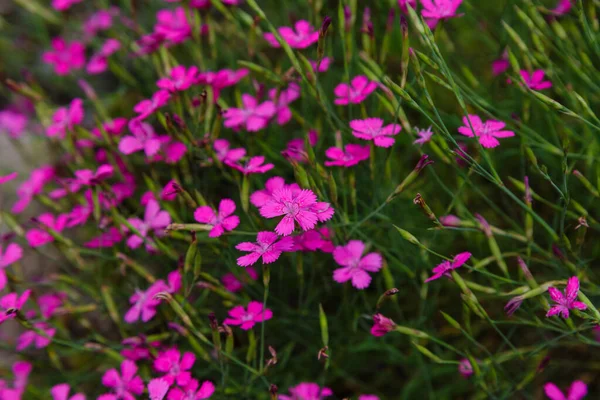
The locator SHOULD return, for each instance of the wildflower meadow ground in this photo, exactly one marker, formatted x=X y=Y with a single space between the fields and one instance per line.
x=299 y=200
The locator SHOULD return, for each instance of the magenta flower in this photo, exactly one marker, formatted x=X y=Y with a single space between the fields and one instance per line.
x=356 y=92
x=65 y=56
x=577 y=391
x=465 y=368
x=535 y=80
x=368 y=397
x=61 y=392
x=301 y=207
x=253 y=165
x=8 y=178
x=12 y=123
x=252 y=116
x=175 y=366
x=180 y=78
x=373 y=129
x=424 y=136
x=222 y=221
x=155 y=221
x=191 y=391
x=355 y=266
x=565 y=302
x=88 y=177
x=143 y=139
x=63 y=5
x=324 y=66
x=487 y=133
x=446 y=267
x=282 y=100
x=233 y=284
x=113 y=127
x=21 y=371
x=32 y=337
x=99 y=61
x=313 y=240
x=435 y=11
x=403 y=4
x=562 y=8
x=247 y=318
x=170 y=191
x=307 y=391
x=261 y=197
x=221 y=79
x=65 y=119
x=173 y=25
x=267 y=246
x=147 y=107
x=500 y=65
x=99 y=21
x=295 y=149
x=227 y=155
x=172 y=150
x=11 y=255
x=39 y=237
x=125 y=385
x=381 y=325
x=49 y=303
x=301 y=36
x=144 y=303
x=106 y=239
x=350 y=156
x=450 y=220
x=31 y=187
x=157 y=389
x=11 y=303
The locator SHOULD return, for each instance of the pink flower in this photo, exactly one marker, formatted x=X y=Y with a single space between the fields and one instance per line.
x=233 y=284
x=254 y=165
x=248 y=318
x=356 y=92
x=106 y=239
x=436 y=10
x=381 y=325
x=155 y=221
x=350 y=156
x=307 y=391
x=175 y=367
x=11 y=303
x=404 y=3
x=144 y=303
x=282 y=100
x=63 y=5
x=180 y=78
x=368 y=397
x=99 y=61
x=191 y=391
x=487 y=132
x=535 y=80
x=143 y=139
x=450 y=220
x=500 y=65
x=313 y=240
x=170 y=191
x=227 y=155
x=303 y=36
x=221 y=221
x=21 y=371
x=158 y=388
x=445 y=267
x=295 y=149
x=173 y=25
x=13 y=123
x=221 y=79
x=355 y=266
x=31 y=187
x=39 y=237
x=301 y=207
x=424 y=136
x=99 y=21
x=125 y=385
x=48 y=303
x=61 y=392
x=172 y=150
x=28 y=338
x=324 y=66
x=65 y=56
x=577 y=391
x=465 y=368
x=252 y=116
x=8 y=178
x=261 y=197
x=565 y=302
x=562 y=8
x=11 y=255
x=147 y=107
x=65 y=119
x=113 y=127
x=267 y=246
x=373 y=129
x=88 y=177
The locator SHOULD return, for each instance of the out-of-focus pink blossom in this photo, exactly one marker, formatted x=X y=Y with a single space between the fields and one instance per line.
x=373 y=129
x=301 y=36
x=253 y=165
x=11 y=303
x=154 y=221
x=356 y=92
x=577 y=391
x=435 y=11
x=65 y=56
x=173 y=25
x=175 y=366
x=295 y=149
x=355 y=267
x=307 y=391
x=8 y=178
x=32 y=337
x=8 y=256
x=61 y=392
x=324 y=66
x=31 y=187
x=227 y=155
x=99 y=61
x=144 y=303
x=12 y=123
x=99 y=21
x=535 y=80
x=63 y=5
x=252 y=116
x=465 y=368
x=65 y=119
x=125 y=385
x=233 y=284
x=403 y=4
x=247 y=318
x=39 y=237
x=49 y=303
x=145 y=108
x=450 y=220
x=221 y=221
x=158 y=388
x=446 y=267
x=106 y=239
x=88 y=177
x=313 y=240
x=282 y=100
x=191 y=391
x=424 y=136
x=180 y=78
x=562 y=8
x=267 y=246
x=143 y=138
x=351 y=155
x=381 y=325
x=219 y=80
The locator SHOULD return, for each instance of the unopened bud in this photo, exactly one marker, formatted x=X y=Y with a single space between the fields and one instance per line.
x=323 y=354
